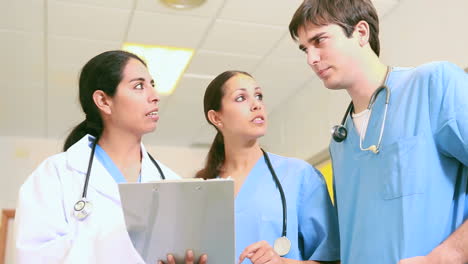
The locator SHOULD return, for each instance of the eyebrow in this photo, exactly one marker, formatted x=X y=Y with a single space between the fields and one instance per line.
x=244 y=90
x=140 y=79
x=312 y=39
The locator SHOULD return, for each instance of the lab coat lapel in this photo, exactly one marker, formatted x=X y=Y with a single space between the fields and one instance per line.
x=149 y=172
x=104 y=183
x=100 y=179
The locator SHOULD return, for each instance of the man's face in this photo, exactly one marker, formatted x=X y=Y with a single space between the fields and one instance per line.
x=331 y=54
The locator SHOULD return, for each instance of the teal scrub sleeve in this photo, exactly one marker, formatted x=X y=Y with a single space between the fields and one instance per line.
x=449 y=97
x=318 y=223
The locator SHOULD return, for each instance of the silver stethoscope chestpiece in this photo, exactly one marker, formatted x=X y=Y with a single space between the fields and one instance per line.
x=82 y=209
x=282 y=246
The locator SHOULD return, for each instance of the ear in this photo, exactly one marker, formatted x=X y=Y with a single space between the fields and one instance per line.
x=102 y=101
x=214 y=118
x=362 y=32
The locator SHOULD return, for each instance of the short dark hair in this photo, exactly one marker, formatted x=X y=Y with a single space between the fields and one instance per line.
x=344 y=13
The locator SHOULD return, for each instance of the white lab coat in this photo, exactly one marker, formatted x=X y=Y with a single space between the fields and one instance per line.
x=46 y=230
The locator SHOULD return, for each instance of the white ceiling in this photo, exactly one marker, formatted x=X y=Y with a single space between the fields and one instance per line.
x=46 y=42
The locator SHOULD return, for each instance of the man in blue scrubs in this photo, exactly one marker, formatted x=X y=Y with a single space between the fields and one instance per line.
x=401 y=173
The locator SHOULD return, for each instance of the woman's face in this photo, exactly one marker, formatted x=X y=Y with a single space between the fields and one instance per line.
x=242 y=109
x=134 y=107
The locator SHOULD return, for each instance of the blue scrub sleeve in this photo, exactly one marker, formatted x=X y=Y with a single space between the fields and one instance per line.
x=449 y=103
x=318 y=223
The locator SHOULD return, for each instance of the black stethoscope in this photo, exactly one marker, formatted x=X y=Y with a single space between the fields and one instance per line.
x=339 y=132
x=282 y=244
x=83 y=207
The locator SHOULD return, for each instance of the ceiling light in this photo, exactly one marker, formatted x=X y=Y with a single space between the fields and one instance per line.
x=165 y=64
x=183 y=4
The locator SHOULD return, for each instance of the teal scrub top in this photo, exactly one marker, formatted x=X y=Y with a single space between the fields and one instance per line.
x=110 y=166
x=312 y=224
x=407 y=199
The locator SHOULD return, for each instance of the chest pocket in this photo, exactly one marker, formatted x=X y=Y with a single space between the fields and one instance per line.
x=403 y=168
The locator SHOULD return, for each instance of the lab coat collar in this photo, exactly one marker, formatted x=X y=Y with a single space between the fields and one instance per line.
x=78 y=159
x=78 y=154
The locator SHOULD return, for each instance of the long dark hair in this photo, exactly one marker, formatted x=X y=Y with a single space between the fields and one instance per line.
x=103 y=72
x=344 y=13
x=212 y=101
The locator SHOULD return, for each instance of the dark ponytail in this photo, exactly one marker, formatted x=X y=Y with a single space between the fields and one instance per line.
x=212 y=101
x=75 y=135
x=103 y=72
x=214 y=160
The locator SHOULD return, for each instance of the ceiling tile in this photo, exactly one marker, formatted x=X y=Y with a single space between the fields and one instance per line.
x=63 y=107
x=213 y=63
x=123 y=4
x=87 y=22
x=22 y=108
x=167 y=30
x=183 y=114
x=75 y=51
x=65 y=76
x=280 y=78
x=278 y=12
x=22 y=57
x=208 y=9
x=22 y=15
x=288 y=48
x=242 y=38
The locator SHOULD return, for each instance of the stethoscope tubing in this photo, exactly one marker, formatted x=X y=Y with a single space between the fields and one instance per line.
x=90 y=165
x=88 y=171
x=280 y=188
x=369 y=107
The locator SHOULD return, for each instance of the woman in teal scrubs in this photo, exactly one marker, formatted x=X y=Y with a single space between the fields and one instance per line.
x=233 y=104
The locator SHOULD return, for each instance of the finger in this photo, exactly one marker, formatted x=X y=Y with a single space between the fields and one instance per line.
x=267 y=257
x=170 y=259
x=250 y=250
x=160 y=262
x=246 y=255
x=258 y=254
x=189 y=257
x=203 y=259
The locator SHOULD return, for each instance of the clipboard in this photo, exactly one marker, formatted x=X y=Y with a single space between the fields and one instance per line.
x=171 y=216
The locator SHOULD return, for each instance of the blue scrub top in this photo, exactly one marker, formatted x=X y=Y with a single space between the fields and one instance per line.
x=312 y=224
x=407 y=199
x=107 y=162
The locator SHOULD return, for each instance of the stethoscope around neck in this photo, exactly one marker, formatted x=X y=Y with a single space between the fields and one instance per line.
x=83 y=207
x=282 y=244
x=340 y=133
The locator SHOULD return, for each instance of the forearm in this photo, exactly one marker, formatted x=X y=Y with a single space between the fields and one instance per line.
x=454 y=249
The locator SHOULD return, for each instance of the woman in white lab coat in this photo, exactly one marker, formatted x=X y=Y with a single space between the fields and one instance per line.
x=117 y=95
